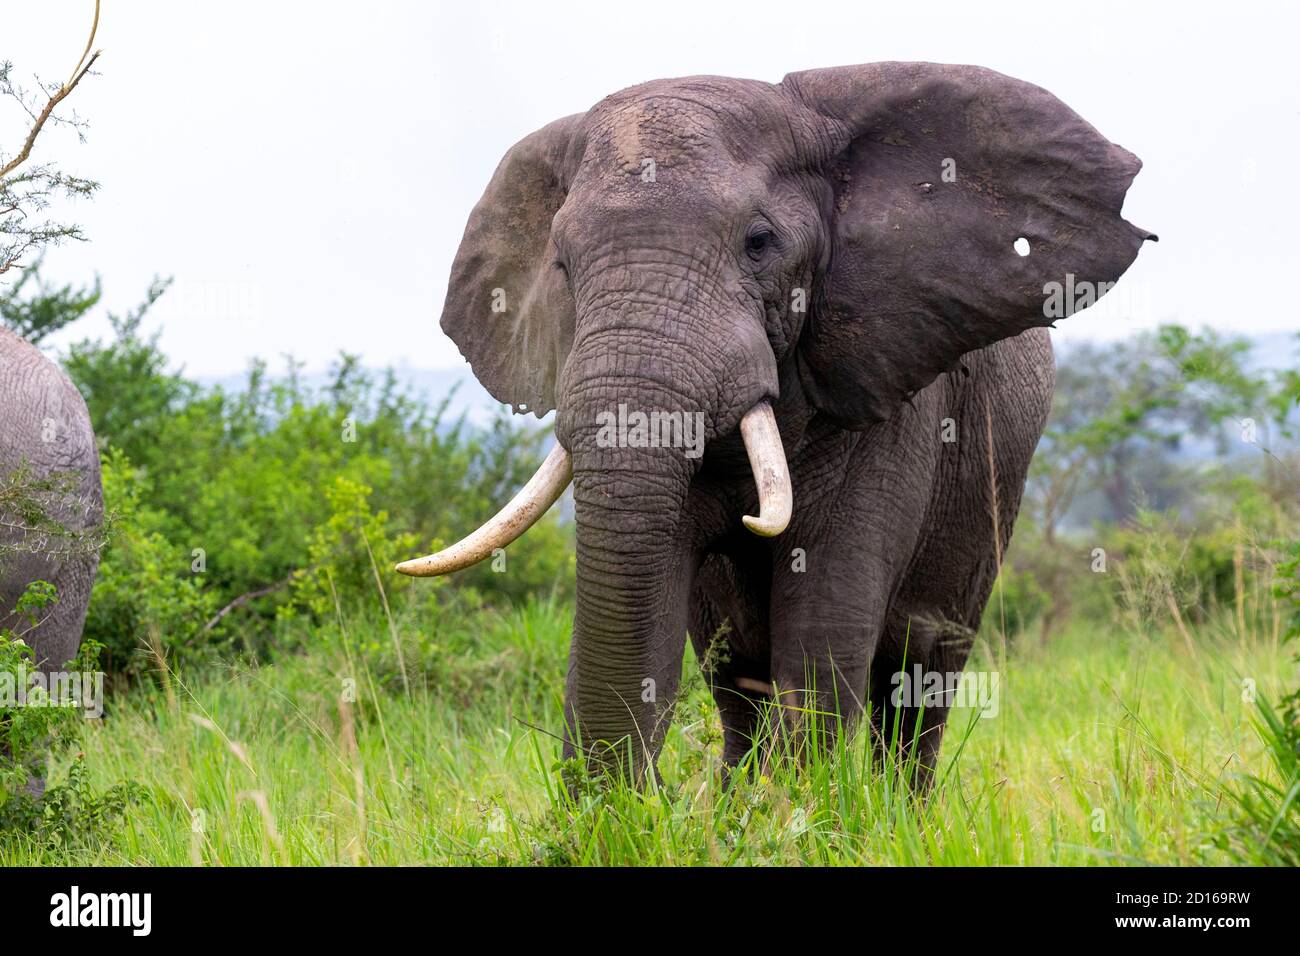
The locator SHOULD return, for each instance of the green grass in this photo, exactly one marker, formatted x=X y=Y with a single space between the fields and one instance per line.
x=1110 y=747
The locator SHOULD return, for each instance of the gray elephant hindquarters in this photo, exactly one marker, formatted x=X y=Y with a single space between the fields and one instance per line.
x=46 y=427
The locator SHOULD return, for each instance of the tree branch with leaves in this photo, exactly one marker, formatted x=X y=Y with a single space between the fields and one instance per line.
x=27 y=189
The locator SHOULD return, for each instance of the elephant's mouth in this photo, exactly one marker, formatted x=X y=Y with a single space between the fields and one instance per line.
x=766 y=458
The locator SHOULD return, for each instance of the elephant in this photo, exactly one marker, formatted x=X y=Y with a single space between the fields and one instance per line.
x=843 y=283
x=46 y=432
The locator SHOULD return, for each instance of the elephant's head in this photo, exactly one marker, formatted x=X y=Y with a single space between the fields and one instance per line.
x=713 y=249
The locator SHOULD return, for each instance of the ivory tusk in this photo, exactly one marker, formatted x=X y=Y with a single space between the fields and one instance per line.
x=771 y=473
x=520 y=514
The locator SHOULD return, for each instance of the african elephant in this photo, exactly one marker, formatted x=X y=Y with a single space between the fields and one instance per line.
x=46 y=429
x=826 y=280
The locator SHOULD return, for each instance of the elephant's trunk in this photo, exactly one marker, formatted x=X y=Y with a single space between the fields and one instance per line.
x=635 y=568
x=634 y=572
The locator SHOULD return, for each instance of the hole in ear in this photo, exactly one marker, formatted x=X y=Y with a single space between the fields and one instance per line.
x=1021 y=246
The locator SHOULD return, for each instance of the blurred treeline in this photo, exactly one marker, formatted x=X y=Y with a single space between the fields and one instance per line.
x=245 y=518
x=1166 y=486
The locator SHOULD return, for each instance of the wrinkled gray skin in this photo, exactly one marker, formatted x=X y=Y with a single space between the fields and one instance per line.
x=45 y=423
x=674 y=288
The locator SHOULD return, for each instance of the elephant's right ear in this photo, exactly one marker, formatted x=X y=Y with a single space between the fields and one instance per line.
x=508 y=305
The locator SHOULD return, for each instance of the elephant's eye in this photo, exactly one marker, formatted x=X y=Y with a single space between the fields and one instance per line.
x=758 y=242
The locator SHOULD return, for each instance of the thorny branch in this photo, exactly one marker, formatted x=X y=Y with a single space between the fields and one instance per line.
x=28 y=506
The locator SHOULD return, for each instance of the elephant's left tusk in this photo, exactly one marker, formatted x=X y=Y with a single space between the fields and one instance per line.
x=522 y=511
x=771 y=473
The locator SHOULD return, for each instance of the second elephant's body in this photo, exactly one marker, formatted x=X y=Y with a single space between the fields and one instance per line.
x=45 y=429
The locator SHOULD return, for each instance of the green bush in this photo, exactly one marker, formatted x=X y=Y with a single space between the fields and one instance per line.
x=147 y=599
x=1017 y=603
x=31 y=728
x=1160 y=559
x=347 y=551
x=22 y=728
x=1214 y=564
x=1044 y=584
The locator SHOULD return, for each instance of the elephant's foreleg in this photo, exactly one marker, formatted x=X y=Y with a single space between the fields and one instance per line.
x=730 y=637
x=825 y=626
x=819 y=694
x=839 y=565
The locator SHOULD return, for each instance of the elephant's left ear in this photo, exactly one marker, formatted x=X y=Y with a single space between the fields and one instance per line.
x=943 y=177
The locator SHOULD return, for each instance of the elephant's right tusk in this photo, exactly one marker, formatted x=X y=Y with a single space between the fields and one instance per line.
x=522 y=511
x=771 y=473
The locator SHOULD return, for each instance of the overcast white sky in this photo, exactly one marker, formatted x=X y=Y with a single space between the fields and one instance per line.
x=304 y=170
